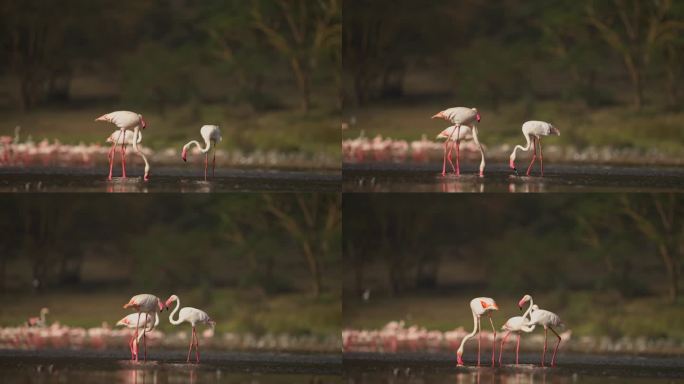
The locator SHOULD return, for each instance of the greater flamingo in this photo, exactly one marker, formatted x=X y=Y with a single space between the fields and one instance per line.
x=546 y=319
x=38 y=322
x=480 y=306
x=211 y=135
x=124 y=120
x=130 y=322
x=535 y=129
x=128 y=140
x=516 y=324
x=460 y=116
x=144 y=304
x=193 y=316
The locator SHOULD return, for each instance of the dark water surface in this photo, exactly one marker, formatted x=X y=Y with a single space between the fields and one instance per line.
x=165 y=179
x=374 y=177
x=67 y=366
x=432 y=368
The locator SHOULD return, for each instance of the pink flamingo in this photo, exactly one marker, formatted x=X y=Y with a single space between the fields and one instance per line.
x=124 y=120
x=516 y=324
x=211 y=135
x=131 y=321
x=193 y=316
x=546 y=319
x=147 y=304
x=480 y=306
x=128 y=140
x=534 y=129
x=460 y=116
x=38 y=322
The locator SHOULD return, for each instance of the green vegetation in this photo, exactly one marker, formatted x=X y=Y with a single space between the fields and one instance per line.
x=609 y=264
x=608 y=73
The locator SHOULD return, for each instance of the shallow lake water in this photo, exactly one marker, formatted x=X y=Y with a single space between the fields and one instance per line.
x=432 y=368
x=375 y=177
x=61 y=366
x=166 y=179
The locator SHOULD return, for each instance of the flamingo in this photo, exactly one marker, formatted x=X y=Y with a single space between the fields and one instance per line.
x=211 y=134
x=38 y=322
x=130 y=322
x=516 y=324
x=147 y=304
x=193 y=316
x=124 y=120
x=460 y=116
x=128 y=140
x=480 y=306
x=535 y=129
x=546 y=319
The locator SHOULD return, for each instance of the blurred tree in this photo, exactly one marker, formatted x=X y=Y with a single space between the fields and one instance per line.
x=300 y=31
x=313 y=221
x=634 y=29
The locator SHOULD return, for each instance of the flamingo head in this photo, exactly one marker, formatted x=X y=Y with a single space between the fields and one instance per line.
x=489 y=305
x=45 y=310
x=170 y=300
x=459 y=359
x=511 y=163
x=439 y=115
x=143 y=125
x=524 y=300
x=184 y=154
x=554 y=131
x=160 y=305
x=477 y=115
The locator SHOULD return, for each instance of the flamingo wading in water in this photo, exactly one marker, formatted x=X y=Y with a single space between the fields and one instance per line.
x=534 y=129
x=460 y=116
x=144 y=304
x=546 y=319
x=480 y=306
x=516 y=324
x=130 y=322
x=124 y=120
x=211 y=135
x=193 y=316
x=128 y=140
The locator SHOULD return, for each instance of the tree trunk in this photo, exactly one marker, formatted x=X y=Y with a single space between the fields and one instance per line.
x=303 y=83
x=314 y=269
x=672 y=272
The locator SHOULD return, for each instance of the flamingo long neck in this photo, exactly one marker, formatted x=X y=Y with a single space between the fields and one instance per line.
x=529 y=309
x=42 y=317
x=477 y=141
x=525 y=148
x=468 y=336
x=171 y=320
x=207 y=145
x=137 y=138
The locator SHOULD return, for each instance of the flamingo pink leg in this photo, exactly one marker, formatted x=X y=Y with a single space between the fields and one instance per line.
x=197 y=358
x=145 y=335
x=534 y=156
x=112 y=152
x=137 y=327
x=541 y=158
x=553 y=359
x=503 y=343
x=546 y=331
x=192 y=342
x=451 y=147
x=517 y=350
x=123 y=158
x=206 y=163
x=494 y=340
x=213 y=165
x=458 y=156
x=479 y=340
x=446 y=143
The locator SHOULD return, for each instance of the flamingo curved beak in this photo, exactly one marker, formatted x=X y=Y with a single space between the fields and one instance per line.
x=184 y=155
x=439 y=115
x=478 y=117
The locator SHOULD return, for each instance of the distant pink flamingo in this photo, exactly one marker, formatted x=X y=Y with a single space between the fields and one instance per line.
x=38 y=322
x=144 y=304
x=516 y=324
x=480 y=306
x=193 y=316
x=131 y=321
x=124 y=120
x=546 y=319
x=460 y=116
x=535 y=129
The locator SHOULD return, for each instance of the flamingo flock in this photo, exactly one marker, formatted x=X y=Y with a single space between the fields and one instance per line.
x=464 y=128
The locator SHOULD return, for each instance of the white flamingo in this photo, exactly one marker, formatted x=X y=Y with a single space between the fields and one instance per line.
x=38 y=322
x=460 y=116
x=193 y=316
x=128 y=140
x=211 y=135
x=480 y=306
x=546 y=319
x=124 y=120
x=148 y=305
x=516 y=324
x=534 y=129
x=130 y=322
